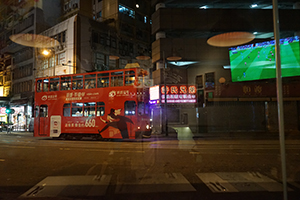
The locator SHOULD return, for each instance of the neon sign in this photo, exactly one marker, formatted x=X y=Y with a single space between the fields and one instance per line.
x=182 y=89
x=176 y=94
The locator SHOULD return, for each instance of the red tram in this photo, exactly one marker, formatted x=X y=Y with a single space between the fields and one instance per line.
x=106 y=104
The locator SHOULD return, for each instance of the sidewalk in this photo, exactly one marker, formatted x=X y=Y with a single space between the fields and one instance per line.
x=17 y=133
x=289 y=135
x=181 y=135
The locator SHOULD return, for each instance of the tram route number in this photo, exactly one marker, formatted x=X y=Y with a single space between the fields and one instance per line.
x=90 y=123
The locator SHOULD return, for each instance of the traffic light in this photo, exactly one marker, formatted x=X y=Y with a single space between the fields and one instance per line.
x=9 y=111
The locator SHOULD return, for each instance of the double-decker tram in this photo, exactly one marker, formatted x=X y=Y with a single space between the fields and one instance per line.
x=106 y=104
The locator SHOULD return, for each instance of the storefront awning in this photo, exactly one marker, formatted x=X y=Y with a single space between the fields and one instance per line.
x=4 y=99
x=132 y=65
x=17 y=102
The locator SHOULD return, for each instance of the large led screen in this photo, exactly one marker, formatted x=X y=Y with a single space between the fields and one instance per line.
x=257 y=61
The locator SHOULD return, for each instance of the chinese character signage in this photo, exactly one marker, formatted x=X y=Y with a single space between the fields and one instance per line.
x=174 y=94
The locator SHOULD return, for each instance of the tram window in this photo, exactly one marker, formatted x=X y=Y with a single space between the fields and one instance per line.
x=90 y=81
x=129 y=107
x=103 y=80
x=89 y=109
x=54 y=84
x=77 y=83
x=66 y=83
x=147 y=109
x=39 y=85
x=129 y=77
x=100 y=108
x=67 y=110
x=36 y=114
x=141 y=108
x=117 y=79
x=46 y=85
x=44 y=111
x=77 y=109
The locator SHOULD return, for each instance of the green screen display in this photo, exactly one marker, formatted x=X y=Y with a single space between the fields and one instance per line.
x=257 y=61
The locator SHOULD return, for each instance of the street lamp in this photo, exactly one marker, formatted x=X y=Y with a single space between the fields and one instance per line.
x=45 y=52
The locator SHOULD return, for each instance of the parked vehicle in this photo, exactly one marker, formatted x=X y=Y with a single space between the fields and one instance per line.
x=5 y=126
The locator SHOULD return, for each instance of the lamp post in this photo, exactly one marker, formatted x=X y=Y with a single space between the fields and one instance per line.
x=279 y=98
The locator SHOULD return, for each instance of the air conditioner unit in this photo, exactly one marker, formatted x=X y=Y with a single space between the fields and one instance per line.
x=66 y=7
x=94 y=47
x=75 y=5
x=60 y=47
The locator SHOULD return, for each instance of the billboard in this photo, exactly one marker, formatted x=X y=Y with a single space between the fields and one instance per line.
x=257 y=61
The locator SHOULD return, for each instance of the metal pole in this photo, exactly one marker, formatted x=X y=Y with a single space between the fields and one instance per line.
x=165 y=89
x=279 y=97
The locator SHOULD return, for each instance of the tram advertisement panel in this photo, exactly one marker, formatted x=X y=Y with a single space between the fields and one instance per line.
x=105 y=104
x=55 y=126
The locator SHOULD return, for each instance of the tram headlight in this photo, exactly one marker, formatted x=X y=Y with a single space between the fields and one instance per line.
x=139 y=127
x=147 y=126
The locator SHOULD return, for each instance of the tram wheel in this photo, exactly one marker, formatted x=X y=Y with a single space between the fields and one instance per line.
x=78 y=137
x=99 y=137
x=68 y=137
x=62 y=136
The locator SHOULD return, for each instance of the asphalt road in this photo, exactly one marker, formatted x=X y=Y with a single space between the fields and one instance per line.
x=156 y=168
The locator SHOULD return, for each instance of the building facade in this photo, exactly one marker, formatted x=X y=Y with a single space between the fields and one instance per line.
x=183 y=28
x=21 y=17
x=92 y=35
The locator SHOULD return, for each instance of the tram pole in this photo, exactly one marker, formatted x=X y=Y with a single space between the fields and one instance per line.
x=279 y=97
x=165 y=90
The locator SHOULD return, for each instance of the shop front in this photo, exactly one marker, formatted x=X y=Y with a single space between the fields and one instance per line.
x=3 y=115
x=22 y=116
x=173 y=109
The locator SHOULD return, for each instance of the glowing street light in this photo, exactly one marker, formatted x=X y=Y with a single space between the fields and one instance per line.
x=45 y=52
x=254 y=5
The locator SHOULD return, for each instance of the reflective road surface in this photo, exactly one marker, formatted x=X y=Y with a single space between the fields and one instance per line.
x=170 y=167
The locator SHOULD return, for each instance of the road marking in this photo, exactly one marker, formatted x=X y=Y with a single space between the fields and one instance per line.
x=115 y=151
x=69 y=186
x=239 y=182
x=66 y=149
x=19 y=147
x=230 y=153
x=153 y=183
x=104 y=150
x=128 y=183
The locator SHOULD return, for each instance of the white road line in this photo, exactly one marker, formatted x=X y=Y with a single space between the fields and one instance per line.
x=18 y=147
x=103 y=150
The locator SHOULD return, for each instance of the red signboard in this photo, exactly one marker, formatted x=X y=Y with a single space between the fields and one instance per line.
x=2 y=110
x=179 y=94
